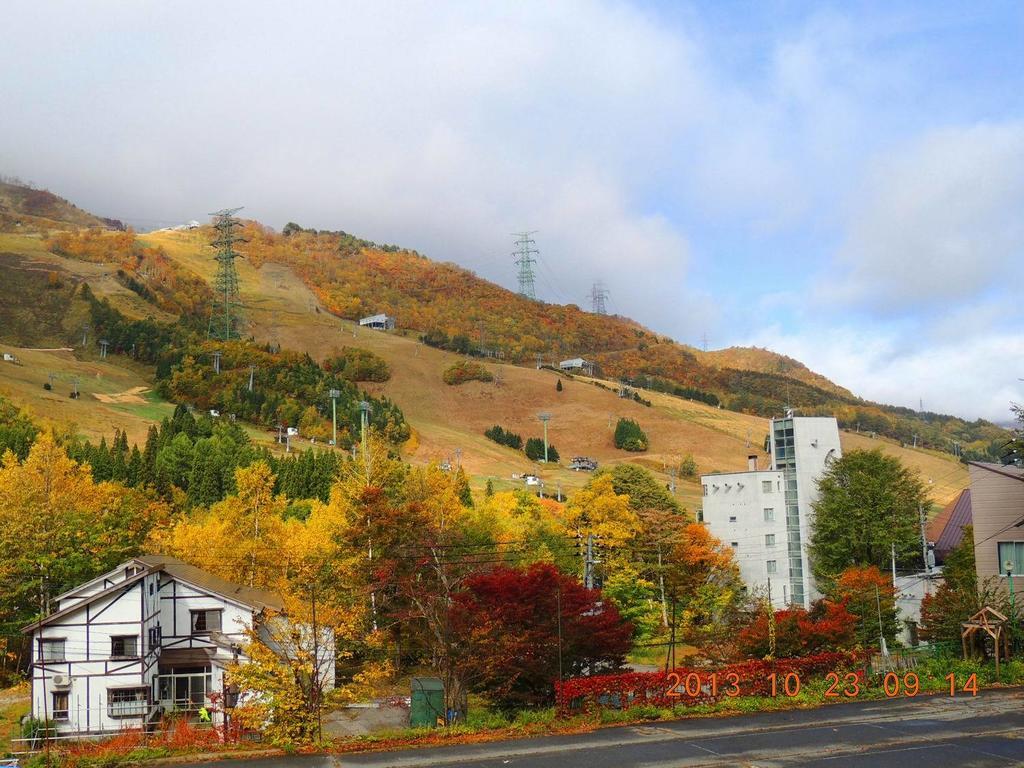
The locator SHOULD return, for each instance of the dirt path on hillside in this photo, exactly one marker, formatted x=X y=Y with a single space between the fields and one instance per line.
x=131 y=396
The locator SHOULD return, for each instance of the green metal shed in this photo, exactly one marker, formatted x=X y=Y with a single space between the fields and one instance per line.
x=427 y=706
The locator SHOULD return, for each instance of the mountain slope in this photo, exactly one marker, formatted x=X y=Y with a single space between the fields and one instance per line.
x=295 y=286
x=23 y=207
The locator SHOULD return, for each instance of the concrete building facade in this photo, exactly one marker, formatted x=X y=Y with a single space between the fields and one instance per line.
x=765 y=515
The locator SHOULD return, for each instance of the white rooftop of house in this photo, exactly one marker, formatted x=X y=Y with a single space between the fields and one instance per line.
x=575 y=362
x=375 y=318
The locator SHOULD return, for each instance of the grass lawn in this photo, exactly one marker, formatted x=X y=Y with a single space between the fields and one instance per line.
x=14 y=705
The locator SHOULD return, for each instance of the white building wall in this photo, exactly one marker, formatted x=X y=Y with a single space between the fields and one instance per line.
x=154 y=602
x=734 y=511
x=798 y=459
x=87 y=634
x=816 y=443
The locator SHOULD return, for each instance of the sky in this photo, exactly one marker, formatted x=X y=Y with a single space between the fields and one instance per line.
x=839 y=182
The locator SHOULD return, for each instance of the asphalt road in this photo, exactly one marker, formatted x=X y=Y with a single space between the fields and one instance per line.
x=926 y=732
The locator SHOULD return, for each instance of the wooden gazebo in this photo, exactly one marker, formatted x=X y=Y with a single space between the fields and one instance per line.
x=993 y=624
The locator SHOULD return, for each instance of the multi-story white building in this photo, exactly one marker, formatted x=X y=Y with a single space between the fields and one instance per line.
x=765 y=514
x=154 y=635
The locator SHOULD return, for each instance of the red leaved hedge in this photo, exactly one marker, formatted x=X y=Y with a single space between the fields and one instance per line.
x=747 y=678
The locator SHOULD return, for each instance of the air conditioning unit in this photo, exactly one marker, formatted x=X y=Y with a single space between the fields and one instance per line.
x=61 y=681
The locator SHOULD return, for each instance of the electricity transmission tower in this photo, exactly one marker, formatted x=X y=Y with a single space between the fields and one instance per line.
x=225 y=284
x=598 y=299
x=526 y=249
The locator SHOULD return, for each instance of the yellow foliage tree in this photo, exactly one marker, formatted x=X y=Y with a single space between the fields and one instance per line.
x=242 y=538
x=59 y=528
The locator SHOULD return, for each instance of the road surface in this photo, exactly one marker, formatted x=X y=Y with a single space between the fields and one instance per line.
x=926 y=732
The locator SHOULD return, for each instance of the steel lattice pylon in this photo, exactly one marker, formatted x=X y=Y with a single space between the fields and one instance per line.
x=225 y=283
x=524 y=253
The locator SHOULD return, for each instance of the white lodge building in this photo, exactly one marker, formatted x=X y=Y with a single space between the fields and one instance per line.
x=152 y=636
x=765 y=515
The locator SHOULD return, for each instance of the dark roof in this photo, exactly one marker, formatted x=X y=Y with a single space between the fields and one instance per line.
x=1007 y=470
x=257 y=599
x=947 y=529
x=197 y=577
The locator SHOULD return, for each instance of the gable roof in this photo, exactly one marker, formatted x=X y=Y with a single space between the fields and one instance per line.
x=947 y=528
x=127 y=583
x=1006 y=470
x=257 y=599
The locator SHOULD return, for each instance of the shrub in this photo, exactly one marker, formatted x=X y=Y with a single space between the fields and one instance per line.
x=688 y=466
x=464 y=371
x=828 y=626
x=535 y=450
x=641 y=689
x=629 y=436
x=358 y=365
x=504 y=437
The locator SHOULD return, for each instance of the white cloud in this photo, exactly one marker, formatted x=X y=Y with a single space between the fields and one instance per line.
x=973 y=376
x=937 y=220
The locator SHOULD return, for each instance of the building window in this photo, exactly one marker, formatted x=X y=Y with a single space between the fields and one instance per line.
x=705 y=489
x=1011 y=552
x=769 y=515
x=700 y=515
x=732 y=518
x=52 y=650
x=205 y=621
x=769 y=539
x=766 y=486
x=60 y=705
x=131 y=570
x=124 y=647
x=127 y=702
x=154 y=636
x=735 y=545
x=772 y=567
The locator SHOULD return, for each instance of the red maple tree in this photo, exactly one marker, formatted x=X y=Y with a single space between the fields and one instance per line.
x=512 y=626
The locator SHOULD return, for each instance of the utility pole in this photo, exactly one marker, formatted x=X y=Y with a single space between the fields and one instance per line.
x=559 y=490
x=85 y=333
x=526 y=250
x=364 y=417
x=42 y=661
x=1013 y=600
x=334 y=395
x=704 y=341
x=316 y=668
x=225 y=283
x=598 y=299
x=279 y=428
x=216 y=361
x=545 y=417
x=894 y=565
x=924 y=538
x=672 y=479
x=558 y=615
x=588 y=563
x=881 y=632
x=252 y=373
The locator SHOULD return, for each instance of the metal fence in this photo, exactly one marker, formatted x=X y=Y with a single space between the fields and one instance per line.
x=156 y=728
